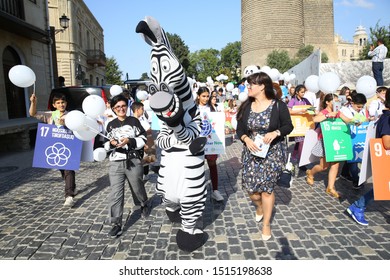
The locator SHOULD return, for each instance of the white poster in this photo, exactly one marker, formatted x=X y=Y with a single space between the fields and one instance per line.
x=311 y=138
x=213 y=127
x=365 y=169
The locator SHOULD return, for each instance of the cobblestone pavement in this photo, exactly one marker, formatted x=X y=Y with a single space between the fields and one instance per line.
x=307 y=223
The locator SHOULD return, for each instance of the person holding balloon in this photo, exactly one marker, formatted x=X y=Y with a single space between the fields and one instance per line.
x=57 y=117
x=127 y=140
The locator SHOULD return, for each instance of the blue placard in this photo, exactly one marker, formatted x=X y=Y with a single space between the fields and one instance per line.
x=56 y=148
x=358 y=137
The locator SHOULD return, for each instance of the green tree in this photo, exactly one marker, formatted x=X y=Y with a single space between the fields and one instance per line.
x=180 y=49
x=203 y=63
x=376 y=32
x=279 y=59
x=304 y=52
x=231 y=60
x=324 y=57
x=145 y=76
x=113 y=74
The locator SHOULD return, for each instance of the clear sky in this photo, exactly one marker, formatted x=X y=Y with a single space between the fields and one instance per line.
x=203 y=24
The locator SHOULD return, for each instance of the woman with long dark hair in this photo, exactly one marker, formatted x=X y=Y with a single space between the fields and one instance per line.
x=262 y=114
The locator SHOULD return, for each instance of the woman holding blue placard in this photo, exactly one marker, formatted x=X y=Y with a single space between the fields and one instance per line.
x=326 y=113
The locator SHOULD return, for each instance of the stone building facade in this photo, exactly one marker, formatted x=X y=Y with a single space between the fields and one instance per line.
x=80 y=49
x=350 y=51
x=288 y=25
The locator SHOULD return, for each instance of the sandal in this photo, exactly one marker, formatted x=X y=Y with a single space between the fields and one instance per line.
x=309 y=178
x=332 y=192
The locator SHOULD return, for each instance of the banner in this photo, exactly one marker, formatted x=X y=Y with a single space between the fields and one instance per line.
x=56 y=148
x=337 y=140
x=365 y=169
x=213 y=127
x=311 y=139
x=302 y=123
x=380 y=160
x=358 y=138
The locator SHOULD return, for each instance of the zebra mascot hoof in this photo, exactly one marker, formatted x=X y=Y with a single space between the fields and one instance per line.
x=173 y=215
x=190 y=242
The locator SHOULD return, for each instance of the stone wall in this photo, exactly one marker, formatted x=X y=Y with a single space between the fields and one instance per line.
x=288 y=25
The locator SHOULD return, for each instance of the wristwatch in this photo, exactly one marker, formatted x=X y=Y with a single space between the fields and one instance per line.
x=278 y=132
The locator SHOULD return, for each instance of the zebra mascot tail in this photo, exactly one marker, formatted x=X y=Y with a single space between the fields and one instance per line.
x=181 y=180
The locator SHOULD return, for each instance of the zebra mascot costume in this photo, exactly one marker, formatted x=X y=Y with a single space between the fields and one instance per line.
x=181 y=180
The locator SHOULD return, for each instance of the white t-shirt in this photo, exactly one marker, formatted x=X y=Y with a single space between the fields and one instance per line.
x=376 y=107
x=311 y=96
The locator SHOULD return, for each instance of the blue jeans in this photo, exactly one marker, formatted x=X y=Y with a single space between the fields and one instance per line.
x=377 y=69
x=364 y=199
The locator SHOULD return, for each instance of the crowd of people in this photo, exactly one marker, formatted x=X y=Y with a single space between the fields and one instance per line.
x=266 y=112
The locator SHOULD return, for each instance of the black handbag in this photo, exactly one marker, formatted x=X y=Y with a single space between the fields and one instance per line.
x=286 y=176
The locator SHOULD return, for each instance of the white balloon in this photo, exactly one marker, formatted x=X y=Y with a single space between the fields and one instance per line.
x=229 y=86
x=84 y=135
x=115 y=90
x=292 y=76
x=74 y=120
x=286 y=76
x=367 y=86
x=93 y=106
x=243 y=96
x=265 y=69
x=147 y=105
x=22 y=76
x=311 y=83
x=99 y=154
x=142 y=95
x=274 y=74
x=328 y=82
x=91 y=124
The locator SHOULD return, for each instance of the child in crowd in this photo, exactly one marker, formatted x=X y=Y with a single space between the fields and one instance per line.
x=57 y=117
x=357 y=114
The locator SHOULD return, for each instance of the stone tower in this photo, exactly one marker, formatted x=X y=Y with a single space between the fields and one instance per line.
x=288 y=25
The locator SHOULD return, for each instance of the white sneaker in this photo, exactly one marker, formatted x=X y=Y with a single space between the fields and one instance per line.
x=69 y=202
x=217 y=195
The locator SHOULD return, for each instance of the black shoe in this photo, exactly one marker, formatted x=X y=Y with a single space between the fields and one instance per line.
x=115 y=231
x=145 y=211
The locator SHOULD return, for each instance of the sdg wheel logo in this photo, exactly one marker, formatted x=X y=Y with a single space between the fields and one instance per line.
x=57 y=154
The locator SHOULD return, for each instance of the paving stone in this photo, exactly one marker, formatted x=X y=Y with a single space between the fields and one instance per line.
x=307 y=223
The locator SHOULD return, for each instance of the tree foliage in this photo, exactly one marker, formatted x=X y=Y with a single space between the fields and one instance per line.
x=279 y=59
x=180 y=49
x=231 y=60
x=113 y=74
x=203 y=63
x=145 y=76
x=376 y=33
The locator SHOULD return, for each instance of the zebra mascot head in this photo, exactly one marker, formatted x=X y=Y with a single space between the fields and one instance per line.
x=172 y=101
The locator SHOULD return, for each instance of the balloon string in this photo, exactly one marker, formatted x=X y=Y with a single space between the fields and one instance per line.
x=94 y=130
x=34 y=88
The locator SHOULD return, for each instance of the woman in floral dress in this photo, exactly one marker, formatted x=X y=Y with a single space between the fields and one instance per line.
x=262 y=114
